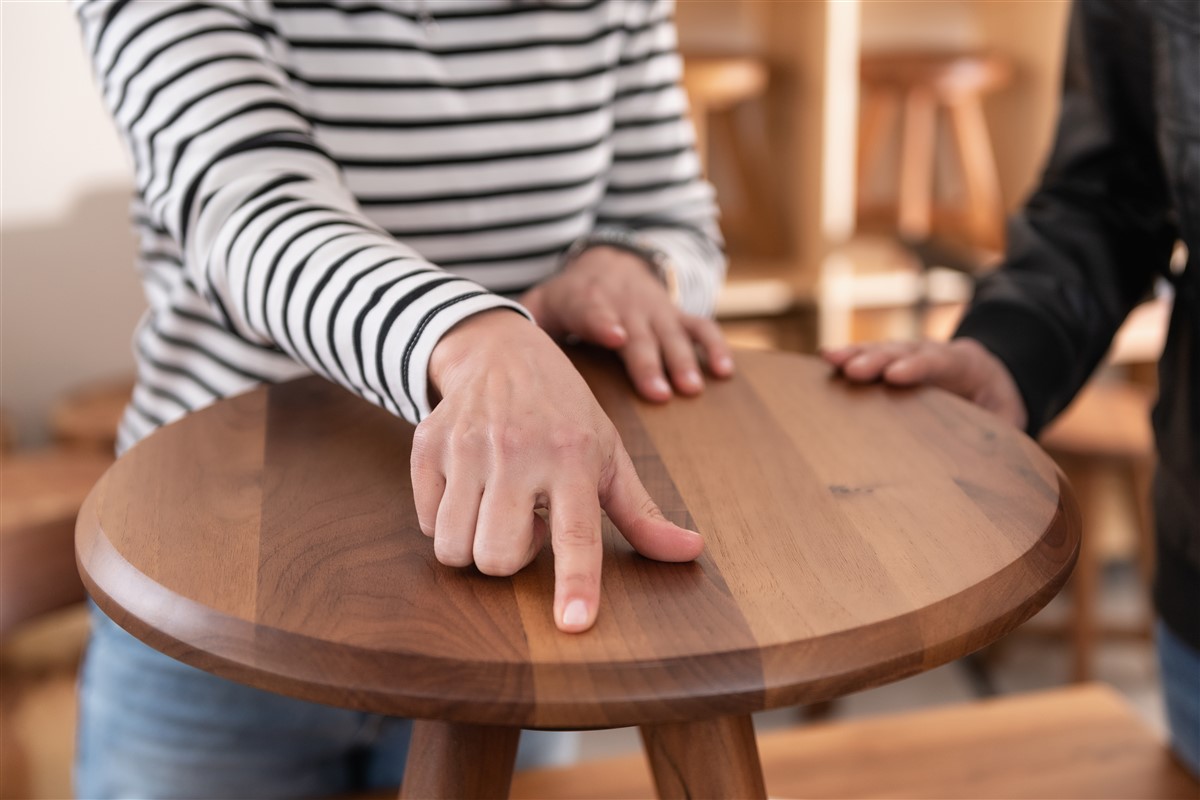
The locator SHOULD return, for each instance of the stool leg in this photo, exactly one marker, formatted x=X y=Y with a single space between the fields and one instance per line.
x=451 y=760
x=715 y=758
x=917 y=151
x=1085 y=580
x=985 y=207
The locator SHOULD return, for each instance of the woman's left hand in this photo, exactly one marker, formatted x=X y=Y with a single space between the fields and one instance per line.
x=612 y=298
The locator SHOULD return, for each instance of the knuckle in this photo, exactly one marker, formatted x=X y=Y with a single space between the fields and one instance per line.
x=593 y=293
x=508 y=440
x=500 y=559
x=648 y=508
x=450 y=554
x=573 y=439
x=576 y=535
x=424 y=447
x=466 y=440
x=578 y=580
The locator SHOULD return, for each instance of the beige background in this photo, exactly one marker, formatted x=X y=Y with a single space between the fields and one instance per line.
x=69 y=297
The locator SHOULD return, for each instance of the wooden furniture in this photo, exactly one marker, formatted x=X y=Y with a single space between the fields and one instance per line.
x=88 y=415
x=1083 y=743
x=904 y=92
x=40 y=495
x=717 y=84
x=854 y=536
x=1105 y=434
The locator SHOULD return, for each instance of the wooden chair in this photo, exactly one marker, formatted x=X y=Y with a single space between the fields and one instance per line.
x=903 y=93
x=40 y=493
x=1081 y=742
x=88 y=415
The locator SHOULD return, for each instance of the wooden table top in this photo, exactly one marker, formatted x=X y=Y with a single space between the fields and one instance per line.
x=854 y=536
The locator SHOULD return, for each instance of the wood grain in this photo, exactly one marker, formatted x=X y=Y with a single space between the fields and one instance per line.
x=853 y=536
x=1082 y=743
x=451 y=761
x=715 y=758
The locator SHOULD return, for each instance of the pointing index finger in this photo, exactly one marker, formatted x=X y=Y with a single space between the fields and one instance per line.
x=578 y=554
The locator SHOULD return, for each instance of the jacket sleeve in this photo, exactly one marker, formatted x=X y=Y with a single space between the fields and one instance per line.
x=655 y=187
x=226 y=161
x=1089 y=242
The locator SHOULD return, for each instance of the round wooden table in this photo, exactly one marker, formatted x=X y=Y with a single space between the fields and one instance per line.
x=854 y=536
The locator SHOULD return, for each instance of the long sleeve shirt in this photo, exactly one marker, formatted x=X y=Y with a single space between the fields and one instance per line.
x=329 y=187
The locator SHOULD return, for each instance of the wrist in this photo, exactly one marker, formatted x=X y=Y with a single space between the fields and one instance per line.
x=470 y=337
x=617 y=245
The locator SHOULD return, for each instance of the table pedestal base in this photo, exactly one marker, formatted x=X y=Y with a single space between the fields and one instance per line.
x=451 y=760
x=715 y=758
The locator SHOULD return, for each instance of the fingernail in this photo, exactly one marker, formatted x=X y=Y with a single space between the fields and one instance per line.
x=660 y=386
x=618 y=331
x=692 y=377
x=856 y=363
x=724 y=364
x=576 y=613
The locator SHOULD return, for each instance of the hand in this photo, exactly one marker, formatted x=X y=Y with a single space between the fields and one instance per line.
x=517 y=429
x=963 y=367
x=612 y=298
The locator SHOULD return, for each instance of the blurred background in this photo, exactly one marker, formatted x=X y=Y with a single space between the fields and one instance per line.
x=865 y=154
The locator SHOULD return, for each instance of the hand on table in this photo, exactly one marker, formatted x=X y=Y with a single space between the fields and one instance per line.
x=612 y=298
x=518 y=429
x=963 y=366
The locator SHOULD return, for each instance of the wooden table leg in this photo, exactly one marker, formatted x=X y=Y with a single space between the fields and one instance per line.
x=715 y=758
x=451 y=760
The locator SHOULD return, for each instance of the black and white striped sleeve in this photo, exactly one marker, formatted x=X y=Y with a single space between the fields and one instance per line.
x=656 y=186
x=227 y=163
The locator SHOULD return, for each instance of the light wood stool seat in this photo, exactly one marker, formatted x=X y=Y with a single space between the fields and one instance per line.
x=1082 y=742
x=904 y=91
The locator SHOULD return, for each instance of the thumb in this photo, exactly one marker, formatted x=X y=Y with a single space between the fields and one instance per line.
x=639 y=519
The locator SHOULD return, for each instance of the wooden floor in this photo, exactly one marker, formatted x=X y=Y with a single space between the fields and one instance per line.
x=1082 y=742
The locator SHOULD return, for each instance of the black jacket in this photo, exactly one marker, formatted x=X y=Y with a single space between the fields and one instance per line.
x=1122 y=186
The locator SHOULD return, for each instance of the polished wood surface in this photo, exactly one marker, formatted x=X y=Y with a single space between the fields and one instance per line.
x=1083 y=743
x=854 y=536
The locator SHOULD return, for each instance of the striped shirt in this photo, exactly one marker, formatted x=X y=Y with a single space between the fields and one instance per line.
x=328 y=187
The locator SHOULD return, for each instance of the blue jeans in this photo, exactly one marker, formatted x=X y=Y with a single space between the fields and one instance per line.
x=153 y=727
x=1179 y=665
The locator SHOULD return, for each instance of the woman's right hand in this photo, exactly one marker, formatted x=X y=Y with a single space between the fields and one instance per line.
x=518 y=429
x=962 y=366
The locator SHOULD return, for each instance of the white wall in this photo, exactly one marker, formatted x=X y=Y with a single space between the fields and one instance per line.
x=68 y=294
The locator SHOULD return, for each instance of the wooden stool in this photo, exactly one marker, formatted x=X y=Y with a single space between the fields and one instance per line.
x=88 y=415
x=725 y=94
x=915 y=86
x=1082 y=742
x=40 y=495
x=854 y=535
x=1105 y=432
x=716 y=84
